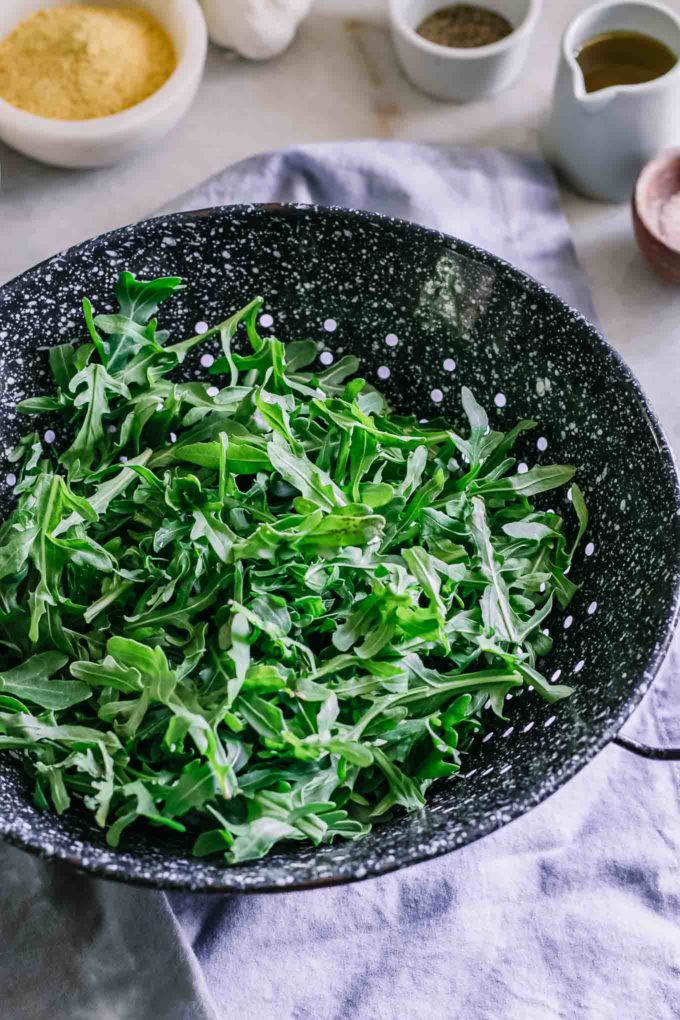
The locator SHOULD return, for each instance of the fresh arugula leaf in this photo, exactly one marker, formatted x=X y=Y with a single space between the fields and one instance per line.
x=531 y=483
x=32 y=682
x=221 y=612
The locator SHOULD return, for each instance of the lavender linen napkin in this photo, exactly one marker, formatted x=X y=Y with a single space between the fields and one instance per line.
x=571 y=913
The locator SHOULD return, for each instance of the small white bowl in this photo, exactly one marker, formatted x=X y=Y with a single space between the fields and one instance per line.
x=105 y=140
x=448 y=72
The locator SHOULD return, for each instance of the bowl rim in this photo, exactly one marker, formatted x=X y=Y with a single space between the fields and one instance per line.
x=569 y=52
x=228 y=882
x=189 y=64
x=465 y=53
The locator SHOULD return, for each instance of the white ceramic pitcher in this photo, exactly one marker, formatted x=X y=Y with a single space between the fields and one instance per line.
x=601 y=140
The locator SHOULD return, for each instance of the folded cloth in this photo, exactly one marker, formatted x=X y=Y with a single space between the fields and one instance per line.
x=570 y=912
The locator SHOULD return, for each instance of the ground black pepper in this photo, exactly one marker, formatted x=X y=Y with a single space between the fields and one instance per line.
x=464 y=25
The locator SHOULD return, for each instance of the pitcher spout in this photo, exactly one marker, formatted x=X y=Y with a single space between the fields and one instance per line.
x=599 y=135
x=590 y=102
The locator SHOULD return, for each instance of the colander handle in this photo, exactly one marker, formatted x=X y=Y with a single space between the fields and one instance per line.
x=645 y=751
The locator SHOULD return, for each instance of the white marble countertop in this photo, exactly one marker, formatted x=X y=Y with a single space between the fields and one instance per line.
x=340 y=80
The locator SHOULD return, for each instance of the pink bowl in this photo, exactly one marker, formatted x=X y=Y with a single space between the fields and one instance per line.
x=656 y=214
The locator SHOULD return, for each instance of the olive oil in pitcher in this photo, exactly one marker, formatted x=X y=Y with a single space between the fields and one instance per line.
x=623 y=58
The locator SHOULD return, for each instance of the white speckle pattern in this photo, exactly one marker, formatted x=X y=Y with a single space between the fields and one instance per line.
x=326 y=358
x=330 y=325
x=437 y=396
x=446 y=307
x=207 y=360
x=384 y=372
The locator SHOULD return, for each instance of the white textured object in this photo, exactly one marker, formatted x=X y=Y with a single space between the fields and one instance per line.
x=257 y=29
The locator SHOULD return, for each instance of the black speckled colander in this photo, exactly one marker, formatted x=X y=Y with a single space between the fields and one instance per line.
x=426 y=313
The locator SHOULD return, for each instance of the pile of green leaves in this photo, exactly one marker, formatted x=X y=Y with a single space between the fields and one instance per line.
x=268 y=611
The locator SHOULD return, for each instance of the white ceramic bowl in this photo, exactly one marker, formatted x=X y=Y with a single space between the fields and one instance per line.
x=105 y=140
x=447 y=72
